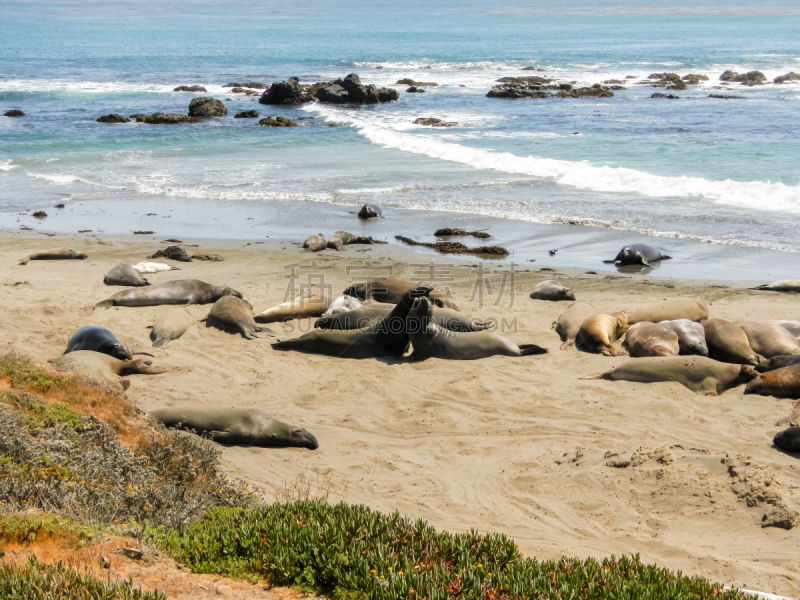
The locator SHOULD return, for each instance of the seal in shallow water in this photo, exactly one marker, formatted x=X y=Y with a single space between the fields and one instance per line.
x=728 y=343
x=125 y=275
x=598 y=332
x=570 y=321
x=55 y=254
x=233 y=314
x=105 y=369
x=648 y=339
x=391 y=289
x=691 y=336
x=180 y=291
x=170 y=326
x=370 y=211
x=770 y=339
x=638 y=254
x=552 y=290
x=237 y=426
x=98 y=339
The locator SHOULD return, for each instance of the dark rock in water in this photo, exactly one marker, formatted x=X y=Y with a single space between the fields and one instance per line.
x=430 y=121
x=612 y=81
x=502 y=91
x=277 y=122
x=596 y=91
x=350 y=90
x=285 y=92
x=448 y=232
x=415 y=90
x=143 y=232
x=113 y=118
x=173 y=253
x=750 y=78
x=370 y=211
x=617 y=88
x=671 y=81
x=721 y=97
x=138 y=117
x=532 y=69
x=40 y=214
x=208 y=257
x=457 y=248
x=190 y=88
x=630 y=76
x=526 y=81
x=565 y=86
x=668 y=96
x=238 y=90
x=252 y=85
x=207 y=107
x=788 y=440
x=792 y=76
x=14 y=113
x=693 y=79
x=413 y=83
x=248 y=114
x=166 y=119
x=59 y=206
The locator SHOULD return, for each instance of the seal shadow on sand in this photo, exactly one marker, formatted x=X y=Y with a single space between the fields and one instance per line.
x=638 y=269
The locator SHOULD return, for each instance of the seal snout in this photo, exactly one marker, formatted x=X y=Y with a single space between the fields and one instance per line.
x=305 y=439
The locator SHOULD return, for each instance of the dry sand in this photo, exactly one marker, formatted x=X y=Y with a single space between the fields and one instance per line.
x=514 y=445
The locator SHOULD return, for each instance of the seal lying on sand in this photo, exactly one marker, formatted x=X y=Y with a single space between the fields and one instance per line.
x=153 y=267
x=237 y=426
x=671 y=310
x=56 y=254
x=391 y=290
x=180 y=291
x=98 y=339
x=429 y=340
x=552 y=290
x=385 y=337
x=781 y=383
x=598 y=332
x=342 y=304
x=770 y=340
x=691 y=336
x=342 y=238
x=369 y=313
x=301 y=307
x=315 y=242
x=170 y=326
x=785 y=285
x=103 y=368
x=638 y=254
x=698 y=373
x=370 y=211
x=792 y=327
x=649 y=339
x=788 y=440
x=570 y=321
x=125 y=275
x=728 y=343
x=233 y=314
x=778 y=362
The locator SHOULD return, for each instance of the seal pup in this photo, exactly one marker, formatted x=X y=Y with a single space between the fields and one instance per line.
x=638 y=254
x=648 y=339
x=180 y=291
x=310 y=305
x=698 y=373
x=385 y=337
x=552 y=290
x=342 y=238
x=430 y=340
x=778 y=362
x=370 y=211
x=391 y=289
x=369 y=313
x=792 y=327
x=125 y=275
x=104 y=368
x=315 y=242
x=691 y=336
x=788 y=440
x=153 y=267
x=770 y=339
x=170 y=326
x=236 y=426
x=784 y=285
x=570 y=321
x=234 y=315
x=98 y=339
x=598 y=332
x=728 y=343
x=55 y=254
x=671 y=310
x=781 y=383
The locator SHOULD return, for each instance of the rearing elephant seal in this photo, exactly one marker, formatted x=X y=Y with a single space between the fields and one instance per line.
x=598 y=332
x=391 y=290
x=728 y=343
x=125 y=275
x=172 y=325
x=552 y=290
x=104 y=368
x=770 y=339
x=237 y=426
x=781 y=383
x=98 y=339
x=671 y=310
x=638 y=254
x=180 y=291
x=235 y=315
x=429 y=340
x=649 y=339
x=570 y=321
x=55 y=254
x=315 y=242
x=691 y=336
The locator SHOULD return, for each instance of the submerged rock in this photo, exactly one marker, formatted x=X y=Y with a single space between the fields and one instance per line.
x=14 y=113
x=207 y=107
x=596 y=91
x=693 y=79
x=113 y=118
x=252 y=85
x=750 y=78
x=432 y=122
x=502 y=91
x=671 y=81
x=247 y=114
x=166 y=119
x=415 y=90
x=190 y=88
x=277 y=122
x=721 y=97
x=668 y=96
x=413 y=83
x=792 y=76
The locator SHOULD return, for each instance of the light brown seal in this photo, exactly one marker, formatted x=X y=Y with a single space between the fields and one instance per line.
x=570 y=321
x=391 y=289
x=781 y=383
x=342 y=238
x=728 y=343
x=180 y=291
x=598 y=332
x=648 y=339
x=170 y=326
x=770 y=339
x=234 y=315
x=670 y=310
x=103 y=368
x=315 y=242
x=55 y=254
x=784 y=285
x=552 y=290
x=304 y=306
x=792 y=327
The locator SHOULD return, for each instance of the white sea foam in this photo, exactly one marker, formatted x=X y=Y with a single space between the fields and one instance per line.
x=99 y=87
x=5 y=165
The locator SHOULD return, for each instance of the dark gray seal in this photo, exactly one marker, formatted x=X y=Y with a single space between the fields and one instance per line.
x=98 y=339
x=638 y=254
x=55 y=254
x=370 y=211
x=237 y=426
x=552 y=290
x=315 y=242
x=125 y=275
x=233 y=314
x=367 y=314
x=180 y=291
x=778 y=362
x=788 y=440
x=391 y=289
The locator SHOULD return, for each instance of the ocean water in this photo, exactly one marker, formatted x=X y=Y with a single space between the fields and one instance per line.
x=697 y=169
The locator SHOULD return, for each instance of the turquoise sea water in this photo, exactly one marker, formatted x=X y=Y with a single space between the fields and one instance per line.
x=724 y=171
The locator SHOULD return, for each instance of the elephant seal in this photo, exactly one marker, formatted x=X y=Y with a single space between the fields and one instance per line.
x=170 y=326
x=570 y=321
x=153 y=267
x=55 y=254
x=691 y=336
x=552 y=290
x=125 y=275
x=728 y=343
x=778 y=362
x=648 y=339
x=342 y=238
x=105 y=369
x=369 y=313
x=98 y=339
x=698 y=373
x=638 y=254
x=430 y=340
x=342 y=304
x=385 y=337
x=785 y=285
x=770 y=339
x=313 y=305
x=370 y=211
x=792 y=327
x=781 y=383
x=391 y=290
x=597 y=332
x=236 y=426
x=315 y=242
x=180 y=291
x=788 y=440
x=233 y=314
x=671 y=310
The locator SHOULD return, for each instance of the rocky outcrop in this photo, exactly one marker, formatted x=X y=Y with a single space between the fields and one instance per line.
x=526 y=81
x=667 y=96
x=286 y=92
x=693 y=79
x=415 y=90
x=190 y=88
x=113 y=118
x=166 y=119
x=432 y=122
x=502 y=91
x=786 y=78
x=253 y=85
x=532 y=69
x=671 y=81
x=750 y=78
x=247 y=114
x=596 y=91
x=14 y=113
x=416 y=83
x=173 y=253
x=350 y=90
x=612 y=81
x=277 y=122
x=207 y=107
x=721 y=97
x=617 y=88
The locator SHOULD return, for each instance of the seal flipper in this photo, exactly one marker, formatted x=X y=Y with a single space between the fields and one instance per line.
x=610 y=262
x=665 y=257
x=530 y=349
x=267 y=330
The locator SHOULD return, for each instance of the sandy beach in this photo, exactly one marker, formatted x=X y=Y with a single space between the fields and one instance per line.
x=514 y=445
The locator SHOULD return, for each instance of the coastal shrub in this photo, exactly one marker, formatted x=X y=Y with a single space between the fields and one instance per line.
x=36 y=581
x=353 y=552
